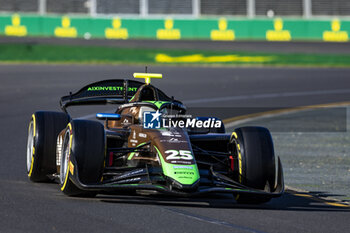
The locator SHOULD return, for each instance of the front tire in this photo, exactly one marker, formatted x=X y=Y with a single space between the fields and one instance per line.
x=83 y=156
x=44 y=128
x=256 y=158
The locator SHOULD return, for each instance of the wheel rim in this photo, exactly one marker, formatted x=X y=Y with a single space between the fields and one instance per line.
x=30 y=146
x=65 y=157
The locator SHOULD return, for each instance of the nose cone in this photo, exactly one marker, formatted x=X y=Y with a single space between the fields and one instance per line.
x=177 y=159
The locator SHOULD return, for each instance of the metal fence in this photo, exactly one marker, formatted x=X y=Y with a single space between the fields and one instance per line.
x=279 y=7
x=190 y=8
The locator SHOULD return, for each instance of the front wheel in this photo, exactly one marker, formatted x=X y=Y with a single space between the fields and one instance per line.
x=256 y=162
x=82 y=157
x=41 y=143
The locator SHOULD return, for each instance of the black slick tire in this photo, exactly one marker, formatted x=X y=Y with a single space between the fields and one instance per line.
x=83 y=156
x=44 y=128
x=256 y=158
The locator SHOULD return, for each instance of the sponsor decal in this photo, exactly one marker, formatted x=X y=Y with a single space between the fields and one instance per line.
x=133 y=141
x=142 y=135
x=66 y=30
x=116 y=31
x=168 y=32
x=182 y=167
x=126 y=121
x=170 y=134
x=181 y=162
x=185 y=177
x=184 y=173
x=223 y=33
x=110 y=88
x=336 y=34
x=278 y=34
x=173 y=140
x=15 y=29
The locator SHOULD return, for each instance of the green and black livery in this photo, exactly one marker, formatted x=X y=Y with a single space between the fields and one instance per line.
x=120 y=154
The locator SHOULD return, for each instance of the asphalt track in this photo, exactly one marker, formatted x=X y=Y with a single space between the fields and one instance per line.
x=41 y=207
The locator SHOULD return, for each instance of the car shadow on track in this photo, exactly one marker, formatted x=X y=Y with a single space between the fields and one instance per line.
x=290 y=201
x=329 y=195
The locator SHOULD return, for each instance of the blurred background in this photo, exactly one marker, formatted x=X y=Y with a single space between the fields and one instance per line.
x=188 y=8
x=221 y=20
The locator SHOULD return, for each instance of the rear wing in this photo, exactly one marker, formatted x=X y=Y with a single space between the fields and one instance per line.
x=114 y=91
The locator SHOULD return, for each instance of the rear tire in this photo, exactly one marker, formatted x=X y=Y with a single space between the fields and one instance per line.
x=254 y=148
x=83 y=155
x=44 y=128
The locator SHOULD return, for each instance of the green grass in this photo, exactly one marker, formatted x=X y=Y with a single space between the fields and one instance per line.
x=38 y=53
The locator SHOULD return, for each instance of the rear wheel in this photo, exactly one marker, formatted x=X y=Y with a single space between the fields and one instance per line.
x=44 y=128
x=83 y=156
x=256 y=162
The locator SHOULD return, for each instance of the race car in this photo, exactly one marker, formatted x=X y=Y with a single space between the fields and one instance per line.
x=149 y=143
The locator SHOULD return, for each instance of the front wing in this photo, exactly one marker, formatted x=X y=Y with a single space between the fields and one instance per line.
x=222 y=186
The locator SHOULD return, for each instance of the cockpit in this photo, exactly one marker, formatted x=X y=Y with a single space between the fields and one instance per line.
x=148 y=93
x=147 y=99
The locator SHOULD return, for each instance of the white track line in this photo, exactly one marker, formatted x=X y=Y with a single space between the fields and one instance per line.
x=267 y=95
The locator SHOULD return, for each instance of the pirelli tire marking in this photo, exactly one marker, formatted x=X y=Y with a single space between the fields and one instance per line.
x=66 y=166
x=30 y=146
x=234 y=134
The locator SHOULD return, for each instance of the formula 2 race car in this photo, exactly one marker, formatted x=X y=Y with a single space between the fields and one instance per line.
x=149 y=144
